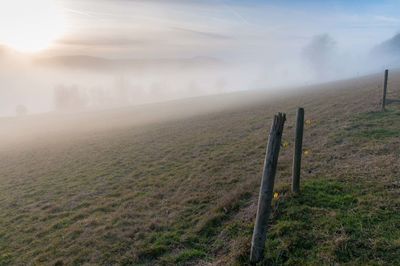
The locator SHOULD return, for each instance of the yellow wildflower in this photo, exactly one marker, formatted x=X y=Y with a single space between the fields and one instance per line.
x=285 y=144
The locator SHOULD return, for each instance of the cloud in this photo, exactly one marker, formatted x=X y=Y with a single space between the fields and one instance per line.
x=387 y=19
x=101 y=41
x=208 y=35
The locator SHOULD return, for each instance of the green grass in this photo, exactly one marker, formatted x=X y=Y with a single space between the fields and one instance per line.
x=330 y=222
x=375 y=125
x=185 y=192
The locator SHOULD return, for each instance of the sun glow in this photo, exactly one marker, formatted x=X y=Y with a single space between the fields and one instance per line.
x=30 y=25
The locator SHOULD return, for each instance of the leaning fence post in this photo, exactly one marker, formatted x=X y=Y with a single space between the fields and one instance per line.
x=267 y=188
x=298 y=147
x=385 y=89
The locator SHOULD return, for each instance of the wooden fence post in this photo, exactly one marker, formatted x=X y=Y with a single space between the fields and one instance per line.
x=267 y=189
x=385 y=90
x=298 y=149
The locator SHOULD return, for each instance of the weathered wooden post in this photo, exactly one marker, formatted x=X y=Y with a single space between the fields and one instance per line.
x=267 y=188
x=385 y=89
x=298 y=149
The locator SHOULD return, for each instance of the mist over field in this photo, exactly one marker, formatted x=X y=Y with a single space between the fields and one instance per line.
x=199 y=132
x=115 y=54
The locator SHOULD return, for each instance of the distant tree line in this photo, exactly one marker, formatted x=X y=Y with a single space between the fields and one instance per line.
x=73 y=97
x=123 y=93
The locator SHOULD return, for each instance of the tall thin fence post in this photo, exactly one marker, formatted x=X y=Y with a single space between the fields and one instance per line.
x=267 y=189
x=298 y=149
x=385 y=90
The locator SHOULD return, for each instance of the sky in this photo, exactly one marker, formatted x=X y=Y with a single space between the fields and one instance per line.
x=227 y=29
x=222 y=28
x=260 y=44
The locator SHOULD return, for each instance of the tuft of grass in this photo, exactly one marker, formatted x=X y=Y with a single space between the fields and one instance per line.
x=188 y=255
x=374 y=125
x=6 y=259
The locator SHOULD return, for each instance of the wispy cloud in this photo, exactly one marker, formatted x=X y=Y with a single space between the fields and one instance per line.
x=101 y=41
x=387 y=19
x=205 y=34
x=223 y=27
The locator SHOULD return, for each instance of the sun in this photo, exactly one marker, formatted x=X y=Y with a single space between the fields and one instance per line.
x=30 y=25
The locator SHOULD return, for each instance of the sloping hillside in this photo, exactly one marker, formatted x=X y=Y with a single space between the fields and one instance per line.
x=184 y=191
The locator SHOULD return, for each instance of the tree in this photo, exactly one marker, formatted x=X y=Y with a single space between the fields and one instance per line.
x=21 y=110
x=68 y=98
x=320 y=53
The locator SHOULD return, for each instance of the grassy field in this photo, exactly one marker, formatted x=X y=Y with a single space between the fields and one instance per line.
x=183 y=191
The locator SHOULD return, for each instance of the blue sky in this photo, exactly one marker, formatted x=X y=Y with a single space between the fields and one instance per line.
x=218 y=27
x=315 y=4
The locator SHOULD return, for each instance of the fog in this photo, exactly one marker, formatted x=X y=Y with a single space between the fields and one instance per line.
x=129 y=53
